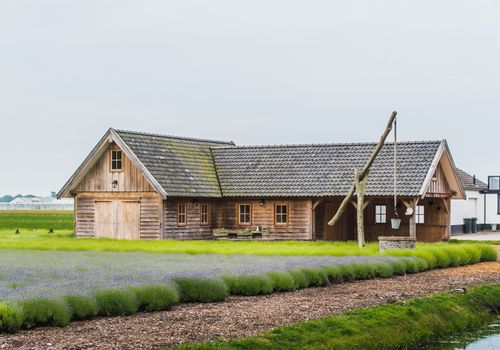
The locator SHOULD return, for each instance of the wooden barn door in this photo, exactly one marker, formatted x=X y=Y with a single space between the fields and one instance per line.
x=117 y=219
x=104 y=219
x=127 y=219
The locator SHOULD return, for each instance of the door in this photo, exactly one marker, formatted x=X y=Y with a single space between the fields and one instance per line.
x=104 y=223
x=345 y=228
x=127 y=219
x=117 y=219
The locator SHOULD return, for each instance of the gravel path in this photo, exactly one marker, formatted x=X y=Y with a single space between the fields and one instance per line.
x=244 y=316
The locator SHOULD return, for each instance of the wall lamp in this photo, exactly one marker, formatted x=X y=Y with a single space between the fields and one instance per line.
x=261 y=202
x=114 y=183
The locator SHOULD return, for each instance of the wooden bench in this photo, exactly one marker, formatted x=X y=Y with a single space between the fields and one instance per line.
x=241 y=234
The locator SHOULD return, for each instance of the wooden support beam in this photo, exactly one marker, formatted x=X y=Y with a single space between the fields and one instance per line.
x=360 y=195
x=354 y=204
x=364 y=173
x=312 y=219
x=316 y=203
x=448 y=219
x=445 y=205
x=413 y=219
x=367 y=202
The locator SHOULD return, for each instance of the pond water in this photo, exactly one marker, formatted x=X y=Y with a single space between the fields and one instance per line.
x=486 y=338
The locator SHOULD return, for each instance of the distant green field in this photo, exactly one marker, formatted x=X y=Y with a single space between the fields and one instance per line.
x=36 y=220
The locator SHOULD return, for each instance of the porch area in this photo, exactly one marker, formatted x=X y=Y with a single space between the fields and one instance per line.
x=429 y=222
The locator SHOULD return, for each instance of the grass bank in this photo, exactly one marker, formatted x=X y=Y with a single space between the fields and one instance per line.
x=396 y=326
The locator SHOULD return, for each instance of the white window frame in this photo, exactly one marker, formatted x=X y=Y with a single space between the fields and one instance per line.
x=490 y=181
x=420 y=214
x=380 y=214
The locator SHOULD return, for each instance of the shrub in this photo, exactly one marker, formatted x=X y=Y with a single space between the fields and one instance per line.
x=442 y=258
x=11 y=317
x=488 y=252
x=457 y=256
x=201 y=290
x=421 y=263
x=316 y=276
x=45 y=312
x=428 y=256
x=156 y=297
x=383 y=269
x=398 y=267
x=116 y=302
x=423 y=253
x=363 y=271
x=334 y=273
x=249 y=285
x=81 y=306
x=348 y=273
x=411 y=265
x=474 y=254
x=282 y=281
x=300 y=278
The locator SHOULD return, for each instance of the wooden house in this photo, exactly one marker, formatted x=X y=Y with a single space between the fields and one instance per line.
x=147 y=186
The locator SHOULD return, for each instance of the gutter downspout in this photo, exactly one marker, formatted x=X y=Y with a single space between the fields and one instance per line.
x=484 y=211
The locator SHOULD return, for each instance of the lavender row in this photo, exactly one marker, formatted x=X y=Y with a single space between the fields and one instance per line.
x=26 y=274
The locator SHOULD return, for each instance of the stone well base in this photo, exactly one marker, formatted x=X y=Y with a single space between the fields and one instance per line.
x=396 y=242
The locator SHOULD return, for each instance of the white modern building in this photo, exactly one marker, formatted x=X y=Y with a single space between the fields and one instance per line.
x=482 y=204
x=38 y=203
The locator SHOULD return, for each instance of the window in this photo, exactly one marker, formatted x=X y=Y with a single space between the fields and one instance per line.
x=380 y=214
x=244 y=214
x=204 y=214
x=494 y=183
x=420 y=214
x=116 y=160
x=281 y=214
x=181 y=214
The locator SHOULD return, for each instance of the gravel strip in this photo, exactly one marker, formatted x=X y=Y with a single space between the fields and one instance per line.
x=244 y=316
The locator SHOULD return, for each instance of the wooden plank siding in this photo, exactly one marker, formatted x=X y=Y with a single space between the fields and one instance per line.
x=84 y=216
x=438 y=186
x=100 y=178
x=224 y=214
x=131 y=185
x=150 y=204
x=193 y=228
x=298 y=219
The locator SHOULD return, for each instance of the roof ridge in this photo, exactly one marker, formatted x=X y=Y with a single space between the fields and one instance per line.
x=173 y=136
x=331 y=144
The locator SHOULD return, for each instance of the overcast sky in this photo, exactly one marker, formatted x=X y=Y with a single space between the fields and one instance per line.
x=255 y=72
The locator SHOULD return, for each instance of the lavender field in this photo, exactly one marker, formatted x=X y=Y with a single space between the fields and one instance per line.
x=27 y=273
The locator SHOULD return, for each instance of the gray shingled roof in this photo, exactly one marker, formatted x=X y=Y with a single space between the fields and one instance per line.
x=320 y=170
x=468 y=182
x=182 y=166
x=187 y=167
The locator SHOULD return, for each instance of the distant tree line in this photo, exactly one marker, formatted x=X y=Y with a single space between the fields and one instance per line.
x=8 y=198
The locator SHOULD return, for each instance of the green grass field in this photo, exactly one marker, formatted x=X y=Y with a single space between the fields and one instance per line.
x=36 y=220
x=33 y=234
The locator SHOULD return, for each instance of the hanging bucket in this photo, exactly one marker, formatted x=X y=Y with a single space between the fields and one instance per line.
x=395 y=223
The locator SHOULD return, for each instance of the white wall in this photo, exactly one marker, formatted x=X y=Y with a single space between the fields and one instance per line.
x=473 y=207
x=492 y=216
